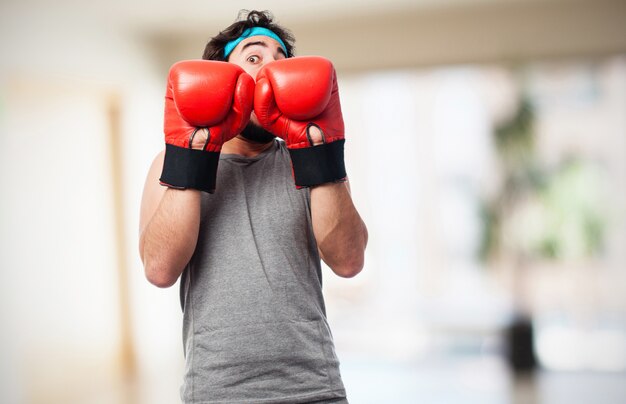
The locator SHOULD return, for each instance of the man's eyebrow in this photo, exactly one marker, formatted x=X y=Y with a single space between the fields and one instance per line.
x=280 y=48
x=254 y=43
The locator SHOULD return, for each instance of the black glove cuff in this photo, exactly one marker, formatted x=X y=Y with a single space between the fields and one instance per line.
x=189 y=168
x=317 y=165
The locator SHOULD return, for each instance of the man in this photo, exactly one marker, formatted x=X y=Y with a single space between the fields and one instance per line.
x=245 y=217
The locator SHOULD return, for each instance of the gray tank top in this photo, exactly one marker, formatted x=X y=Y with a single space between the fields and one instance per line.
x=254 y=325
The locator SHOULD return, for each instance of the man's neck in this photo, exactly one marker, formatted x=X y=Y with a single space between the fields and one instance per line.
x=243 y=147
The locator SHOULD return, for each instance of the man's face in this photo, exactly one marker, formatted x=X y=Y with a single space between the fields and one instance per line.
x=252 y=54
x=255 y=52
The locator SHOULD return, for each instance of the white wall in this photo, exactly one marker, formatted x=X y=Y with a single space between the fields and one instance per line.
x=61 y=72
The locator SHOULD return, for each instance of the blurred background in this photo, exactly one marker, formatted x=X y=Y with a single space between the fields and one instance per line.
x=487 y=155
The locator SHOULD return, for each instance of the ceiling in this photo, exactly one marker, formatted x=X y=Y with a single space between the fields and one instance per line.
x=355 y=34
x=154 y=17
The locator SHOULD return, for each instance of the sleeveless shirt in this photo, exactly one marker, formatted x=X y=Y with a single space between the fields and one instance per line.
x=254 y=320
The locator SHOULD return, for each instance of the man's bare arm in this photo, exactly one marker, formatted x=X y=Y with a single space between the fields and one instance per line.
x=168 y=226
x=339 y=230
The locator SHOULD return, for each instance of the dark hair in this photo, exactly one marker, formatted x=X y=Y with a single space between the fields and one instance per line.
x=214 y=50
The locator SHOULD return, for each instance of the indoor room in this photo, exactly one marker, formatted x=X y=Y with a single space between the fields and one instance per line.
x=485 y=146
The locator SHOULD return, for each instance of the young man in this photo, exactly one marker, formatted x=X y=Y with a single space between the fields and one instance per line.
x=245 y=217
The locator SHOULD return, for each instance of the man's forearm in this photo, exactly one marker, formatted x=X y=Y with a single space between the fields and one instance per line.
x=339 y=230
x=169 y=240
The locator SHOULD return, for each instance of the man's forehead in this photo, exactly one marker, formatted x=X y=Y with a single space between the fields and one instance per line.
x=250 y=33
x=259 y=40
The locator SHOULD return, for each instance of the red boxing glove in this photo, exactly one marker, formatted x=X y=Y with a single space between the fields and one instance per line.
x=293 y=95
x=202 y=94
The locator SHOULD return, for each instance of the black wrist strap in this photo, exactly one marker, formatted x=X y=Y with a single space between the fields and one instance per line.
x=189 y=168
x=317 y=165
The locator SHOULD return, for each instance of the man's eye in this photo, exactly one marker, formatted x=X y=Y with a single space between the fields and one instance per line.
x=253 y=59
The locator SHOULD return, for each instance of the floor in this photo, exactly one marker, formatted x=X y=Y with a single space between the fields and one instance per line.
x=484 y=380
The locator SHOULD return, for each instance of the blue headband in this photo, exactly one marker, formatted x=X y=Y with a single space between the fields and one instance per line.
x=254 y=31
